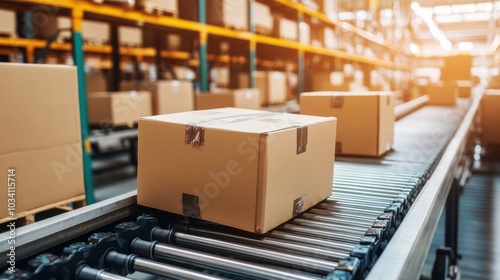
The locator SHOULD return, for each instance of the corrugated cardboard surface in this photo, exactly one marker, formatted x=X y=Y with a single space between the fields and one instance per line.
x=40 y=133
x=442 y=94
x=365 y=120
x=118 y=108
x=490 y=117
x=246 y=175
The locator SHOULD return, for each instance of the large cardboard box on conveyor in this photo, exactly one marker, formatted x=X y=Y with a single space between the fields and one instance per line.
x=246 y=98
x=490 y=117
x=40 y=135
x=442 y=93
x=169 y=96
x=118 y=108
x=365 y=120
x=247 y=169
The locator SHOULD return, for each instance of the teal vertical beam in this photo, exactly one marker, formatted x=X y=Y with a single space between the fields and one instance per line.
x=202 y=13
x=250 y=13
x=251 y=64
x=301 y=73
x=203 y=70
x=82 y=97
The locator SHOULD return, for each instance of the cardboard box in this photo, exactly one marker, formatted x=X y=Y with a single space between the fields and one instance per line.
x=231 y=171
x=130 y=36
x=464 y=89
x=8 y=23
x=40 y=134
x=96 y=32
x=95 y=82
x=330 y=38
x=442 y=94
x=169 y=6
x=490 y=116
x=365 y=120
x=288 y=29
x=276 y=90
x=168 y=96
x=228 y=13
x=305 y=33
x=246 y=98
x=262 y=18
x=118 y=108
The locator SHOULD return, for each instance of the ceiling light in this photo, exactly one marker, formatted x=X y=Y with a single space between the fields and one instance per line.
x=414 y=48
x=465 y=46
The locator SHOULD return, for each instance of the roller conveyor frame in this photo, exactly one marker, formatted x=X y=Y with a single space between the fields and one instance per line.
x=404 y=254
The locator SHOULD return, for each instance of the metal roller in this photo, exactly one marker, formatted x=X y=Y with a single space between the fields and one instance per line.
x=273 y=243
x=132 y=263
x=218 y=263
x=85 y=272
x=344 y=237
x=339 y=246
x=245 y=251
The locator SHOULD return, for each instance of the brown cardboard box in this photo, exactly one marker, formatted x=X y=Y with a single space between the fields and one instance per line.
x=95 y=82
x=231 y=172
x=169 y=96
x=464 y=89
x=365 y=120
x=8 y=23
x=40 y=134
x=442 y=94
x=490 y=116
x=118 y=108
x=240 y=98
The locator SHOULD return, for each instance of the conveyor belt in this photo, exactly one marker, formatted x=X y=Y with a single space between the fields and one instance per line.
x=340 y=238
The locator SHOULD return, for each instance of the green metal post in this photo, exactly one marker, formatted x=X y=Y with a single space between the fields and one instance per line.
x=203 y=48
x=301 y=73
x=82 y=95
x=251 y=63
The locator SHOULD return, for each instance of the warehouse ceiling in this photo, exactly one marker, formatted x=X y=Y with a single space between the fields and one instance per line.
x=457 y=25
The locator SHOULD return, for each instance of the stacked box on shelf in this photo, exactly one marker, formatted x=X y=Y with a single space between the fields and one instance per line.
x=330 y=8
x=288 y=29
x=329 y=38
x=130 y=36
x=95 y=82
x=174 y=42
x=305 y=33
x=245 y=98
x=490 y=116
x=228 y=13
x=311 y=4
x=365 y=119
x=168 y=96
x=167 y=6
x=272 y=86
x=262 y=19
x=118 y=108
x=93 y=32
x=40 y=135
x=239 y=157
x=8 y=23
x=331 y=81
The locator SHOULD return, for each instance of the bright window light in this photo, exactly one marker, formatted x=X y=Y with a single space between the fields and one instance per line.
x=484 y=16
x=442 y=10
x=465 y=46
x=414 y=48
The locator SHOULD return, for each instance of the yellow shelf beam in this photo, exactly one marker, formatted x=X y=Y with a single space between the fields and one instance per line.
x=139 y=16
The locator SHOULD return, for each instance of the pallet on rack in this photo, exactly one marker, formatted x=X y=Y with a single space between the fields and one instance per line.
x=28 y=217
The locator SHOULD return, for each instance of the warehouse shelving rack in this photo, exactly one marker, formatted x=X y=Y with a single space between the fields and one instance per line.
x=79 y=8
